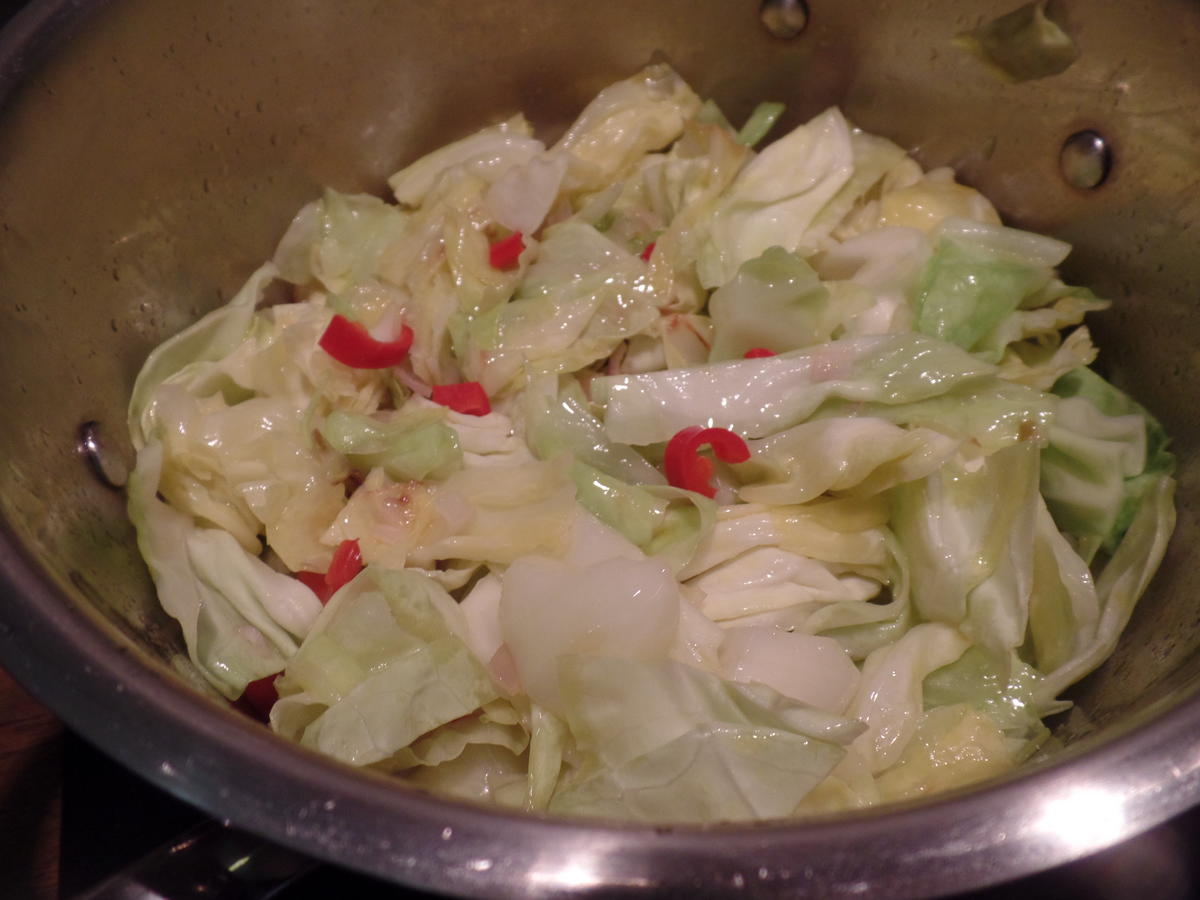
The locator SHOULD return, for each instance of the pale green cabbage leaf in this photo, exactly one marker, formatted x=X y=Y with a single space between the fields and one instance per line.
x=241 y=620
x=663 y=741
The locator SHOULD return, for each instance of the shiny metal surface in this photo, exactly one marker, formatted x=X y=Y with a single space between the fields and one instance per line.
x=150 y=155
x=1085 y=159
x=206 y=861
x=784 y=18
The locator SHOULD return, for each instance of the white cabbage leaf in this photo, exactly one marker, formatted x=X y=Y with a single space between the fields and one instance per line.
x=852 y=456
x=625 y=121
x=579 y=300
x=338 y=240
x=616 y=608
x=241 y=620
x=1121 y=583
x=210 y=339
x=979 y=275
x=757 y=397
x=777 y=197
x=383 y=666
x=969 y=532
x=849 y=532
x=662 y=741
x=489 y=153
x=814 y=670
x=1105 y=453
x=776 y=302
x=889 y=699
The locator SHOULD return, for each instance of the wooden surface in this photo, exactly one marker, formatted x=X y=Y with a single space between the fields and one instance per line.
x=30 y=795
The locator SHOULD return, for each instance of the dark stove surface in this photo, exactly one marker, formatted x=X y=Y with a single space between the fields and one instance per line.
x=111 y=818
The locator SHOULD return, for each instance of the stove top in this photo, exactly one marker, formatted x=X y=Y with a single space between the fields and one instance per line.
x=111 y=818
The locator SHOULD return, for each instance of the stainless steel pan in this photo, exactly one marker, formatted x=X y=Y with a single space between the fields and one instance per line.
x=150 y=155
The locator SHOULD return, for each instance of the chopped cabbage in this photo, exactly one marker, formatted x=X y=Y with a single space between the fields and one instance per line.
x=943 y=518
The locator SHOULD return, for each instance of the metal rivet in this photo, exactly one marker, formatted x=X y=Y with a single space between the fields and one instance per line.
x=104 y=462
x=784 y=18
x=1085 y=160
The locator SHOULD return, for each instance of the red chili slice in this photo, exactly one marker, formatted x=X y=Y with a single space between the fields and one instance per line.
x=468 y=397
x=352 y=345
x=759 y=353
x=648 y=251
x=347 y=562
x=687 y=469
x=258 y=698
x=505 y=253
